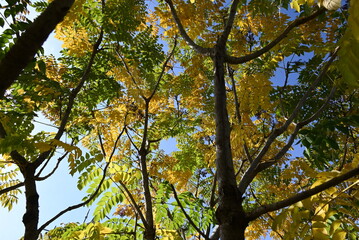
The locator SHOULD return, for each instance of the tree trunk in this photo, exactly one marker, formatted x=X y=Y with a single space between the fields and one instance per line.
x=31 y=216
x=230 y=214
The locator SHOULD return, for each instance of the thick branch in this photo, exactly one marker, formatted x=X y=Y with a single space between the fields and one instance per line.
x=15 y=155
x=302 y=195
x=30 y=42
x=229 y=24
x=295 y=23
x=190 y=42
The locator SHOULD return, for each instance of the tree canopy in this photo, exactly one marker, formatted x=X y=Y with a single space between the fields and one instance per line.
x=261 y=98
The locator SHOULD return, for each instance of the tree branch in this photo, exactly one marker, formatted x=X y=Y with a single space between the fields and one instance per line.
x=25 y=48
x=163 y=69
x=135 y=205
x=295 y=23
x=72 y=97
x=186 y=215
x=302 y=195
x=252 y=170
x=38 y=178
x=299 y=126
x=8 y=189
x=190 y=42
x=229 y=24
x=73 y=207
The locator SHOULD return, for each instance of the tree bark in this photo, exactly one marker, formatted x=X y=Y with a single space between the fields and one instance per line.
x=30 y=42
x=230 y=214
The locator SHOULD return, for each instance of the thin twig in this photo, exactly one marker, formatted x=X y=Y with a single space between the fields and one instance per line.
x=186 y=215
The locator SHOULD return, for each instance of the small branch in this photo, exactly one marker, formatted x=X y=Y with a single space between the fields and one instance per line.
x=246 y=151
x=186 y=215
x=299 y=126
x=73 y=207
x=252 y=170
x=130 y=138
x=47 y=162
x=72 y=97
x=38 y=178
x=137 y=208
x=190 y=42
x=76 y=90
x=295 y=23
x=302 y=195
x=163 y=69
x=129 y=72
x=8 y=189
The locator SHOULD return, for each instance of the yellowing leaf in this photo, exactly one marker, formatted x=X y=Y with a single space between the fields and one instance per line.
x=334 y=226
x=294 y=4
x=339 y=235
x=319 y=225
x=43 y=147
x=320 y=234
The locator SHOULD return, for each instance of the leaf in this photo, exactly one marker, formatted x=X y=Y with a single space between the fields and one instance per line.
x=279 y=220
x=339 y=235
x=43 y=146
x=331 y=4
x=294 y=4
x=320 y=234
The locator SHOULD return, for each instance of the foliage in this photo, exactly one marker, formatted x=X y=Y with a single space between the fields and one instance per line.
x=134 y=76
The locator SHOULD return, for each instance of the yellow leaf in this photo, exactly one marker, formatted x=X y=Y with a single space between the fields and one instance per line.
x=279 y=219
x=319 y=225
x=43 y=147
x=339 y=235
x=20 y=91
x=320 y=234
x=334 y=226
x=294 y=4
x=307 y=203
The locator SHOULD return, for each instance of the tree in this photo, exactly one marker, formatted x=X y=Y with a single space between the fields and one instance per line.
x=115 y=95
